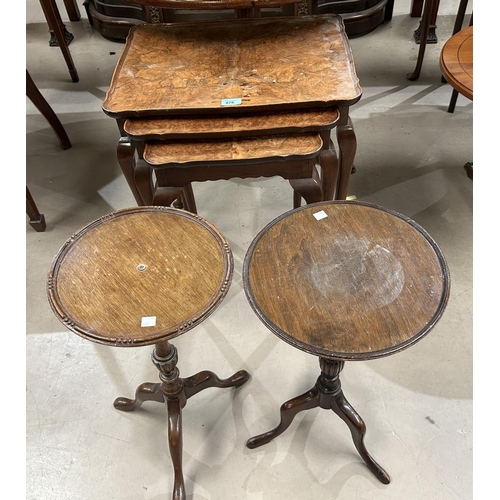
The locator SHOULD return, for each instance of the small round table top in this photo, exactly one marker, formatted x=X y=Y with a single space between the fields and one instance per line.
x=346 y=280
x=456 y=61
x=140 y=276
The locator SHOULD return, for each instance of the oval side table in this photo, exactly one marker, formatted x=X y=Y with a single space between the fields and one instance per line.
x=143 y=276
x=344 y=280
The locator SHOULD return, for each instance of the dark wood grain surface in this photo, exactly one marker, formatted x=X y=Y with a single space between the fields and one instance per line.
x=268 y=63
x=233 y=125
x=362 y=282
x=139 y=263
x=289 y=146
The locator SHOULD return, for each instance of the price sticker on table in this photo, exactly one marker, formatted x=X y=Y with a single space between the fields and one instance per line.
x=320 y=215
x=148 y=321
x=231 y=102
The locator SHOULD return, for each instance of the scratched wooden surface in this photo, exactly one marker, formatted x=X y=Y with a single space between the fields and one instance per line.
x=456 y=61
x=232 y=126
x=97 y=288
x=268 y=63
x=289 y=146
x=360 y=283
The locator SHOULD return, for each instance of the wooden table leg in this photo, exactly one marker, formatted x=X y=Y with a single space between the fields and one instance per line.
x=126 y=160
x=288 y=410
x=36 y=97
x=333 y=397
x=329 y=166
x=187 y=199
x=346 y=139
x=53 y=17
x=37 y=220
x=174 y=410
x=175 y=391
x=416 y=8
x=425 y=24
x=327 y=394
x=309 y=189
x=431 y=35
x=72 y=10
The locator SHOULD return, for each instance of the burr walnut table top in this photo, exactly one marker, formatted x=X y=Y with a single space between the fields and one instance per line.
x=235 y=65
x=242 y=124
x=203 y=151
x=346 y=280
x=456 y=61
x=139 y=276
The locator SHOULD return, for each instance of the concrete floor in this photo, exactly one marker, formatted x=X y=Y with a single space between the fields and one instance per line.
x=417 y=404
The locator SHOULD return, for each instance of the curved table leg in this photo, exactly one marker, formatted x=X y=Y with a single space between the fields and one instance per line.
x=205 y=379
x=36 y=97
x=175 y=445
x=145 y=392
x=125 y=156
x=329 y=166
x=175 y=391
x=331 y=396
x=348 y=414
x=327 y=394
x=288 y=410
x=346 y=139
x=165 y=196
x=309 y=189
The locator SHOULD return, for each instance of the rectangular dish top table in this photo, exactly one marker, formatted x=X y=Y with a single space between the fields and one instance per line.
x=235 y=65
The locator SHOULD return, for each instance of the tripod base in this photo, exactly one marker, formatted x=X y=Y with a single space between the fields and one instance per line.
x=327 y=394
x=175 y=391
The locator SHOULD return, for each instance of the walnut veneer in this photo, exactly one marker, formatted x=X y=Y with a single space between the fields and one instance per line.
x=232 y=79
x=224 y=147
x=272 y=63
x=178 y=163
x=240 y=125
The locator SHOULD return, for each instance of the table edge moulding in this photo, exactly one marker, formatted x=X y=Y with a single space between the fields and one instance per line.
x=86 y=329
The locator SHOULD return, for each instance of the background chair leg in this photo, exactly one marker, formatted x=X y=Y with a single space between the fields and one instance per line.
x=72 y=10
x=453 y=101
x=37 y=220
x=43 y=106
x=62 y=36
